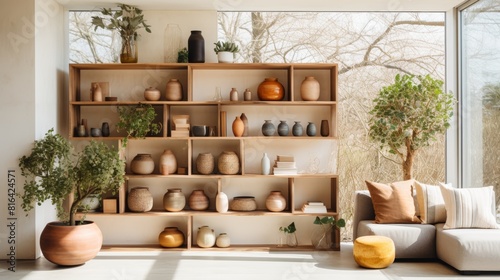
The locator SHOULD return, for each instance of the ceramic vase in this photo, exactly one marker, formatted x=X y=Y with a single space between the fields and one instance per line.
x=174 y=200
x=140 y=199
x=105 y=129
x=205 y=163
x=228 y=163
x=152 y=94
x=221 y=202
x=171 y=237
x=142 y=164
x=265 y=164
x=96 y=92
x=247 y=95
x=270 y=90
x=198 y=200
x=309 y=89
x=173 y=90
x=233 y=95
x=223 y=240
x=275 y=202
x=244 y=118
x=268 y=128
x=238 y=127
x=311 y=129
x=297 y=129
x=168 y=163
x=196 y=47
x=325 y=128
x=283 y=128
x=205 y=237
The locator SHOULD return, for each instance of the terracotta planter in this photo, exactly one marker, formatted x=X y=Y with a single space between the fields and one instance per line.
x=70 y=245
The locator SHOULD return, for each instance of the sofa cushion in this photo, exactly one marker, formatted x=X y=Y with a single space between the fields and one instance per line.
x=469 y=249
x=393 y=203
x=431 y=203
x=469 y=208
x=410 y=240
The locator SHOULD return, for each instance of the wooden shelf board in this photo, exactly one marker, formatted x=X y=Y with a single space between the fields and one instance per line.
x=233 y=247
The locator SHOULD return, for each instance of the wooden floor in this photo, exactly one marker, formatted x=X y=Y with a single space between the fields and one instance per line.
x=114 y=264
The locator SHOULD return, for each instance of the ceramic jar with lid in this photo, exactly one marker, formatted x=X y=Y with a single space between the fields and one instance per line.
x=152 y=94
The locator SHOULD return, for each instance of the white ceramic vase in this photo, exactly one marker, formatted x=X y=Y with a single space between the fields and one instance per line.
x=221 y=202
x=265 y=165
x=205 y=237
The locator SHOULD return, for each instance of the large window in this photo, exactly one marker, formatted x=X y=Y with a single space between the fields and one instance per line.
x=480 y=93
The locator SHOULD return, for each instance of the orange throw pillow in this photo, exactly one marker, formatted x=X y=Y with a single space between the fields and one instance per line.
x=393 y=203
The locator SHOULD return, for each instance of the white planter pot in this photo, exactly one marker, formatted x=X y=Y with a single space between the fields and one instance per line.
x=225 y=57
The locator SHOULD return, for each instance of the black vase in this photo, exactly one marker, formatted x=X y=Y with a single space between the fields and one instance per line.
x=105 y=129
x=196 y=47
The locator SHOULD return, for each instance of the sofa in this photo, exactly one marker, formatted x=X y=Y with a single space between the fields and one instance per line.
x=468 y=250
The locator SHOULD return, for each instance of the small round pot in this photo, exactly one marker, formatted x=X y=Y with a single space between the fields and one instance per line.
x=225 y=57
x=70 y=245
x=275 y=202
x=152 y=94
x=270 y=90
x=142 y=164
x=243 y=203
x=174 y=200
x=205 y=163
x=198 y=200
x=140 y=200
x=228 y=163
x=171 y=237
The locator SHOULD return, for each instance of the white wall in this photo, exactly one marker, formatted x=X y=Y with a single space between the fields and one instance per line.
x=30 y=84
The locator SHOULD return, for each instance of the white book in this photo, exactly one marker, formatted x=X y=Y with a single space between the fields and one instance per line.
x=315 y=203
x=314 y=209
x=286 y=164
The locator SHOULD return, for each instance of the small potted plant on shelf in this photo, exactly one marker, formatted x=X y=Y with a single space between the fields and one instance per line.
x=54 y=171
x=127 y=21
x=289 y=231
x=321 y=237
x=225 y=51
x=182 y=55
x=137 y=121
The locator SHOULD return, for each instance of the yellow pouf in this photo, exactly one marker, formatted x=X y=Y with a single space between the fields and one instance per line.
x=374 y=251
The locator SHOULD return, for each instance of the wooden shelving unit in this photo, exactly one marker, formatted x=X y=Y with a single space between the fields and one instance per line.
x=315 y=154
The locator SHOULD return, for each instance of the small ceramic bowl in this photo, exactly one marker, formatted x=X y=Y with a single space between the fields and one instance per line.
x=95 y=132
x=199 y=130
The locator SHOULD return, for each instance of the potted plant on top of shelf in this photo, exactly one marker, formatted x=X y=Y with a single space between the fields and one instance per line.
x=127 y=21
x=53 y=171
x=408 y=115
x=137 y=121
x=225 y=51
x=321 y=237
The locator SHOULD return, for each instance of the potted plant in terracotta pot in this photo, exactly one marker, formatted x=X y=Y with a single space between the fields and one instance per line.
x=53 y=171
x=127 y=21
x=225 y=51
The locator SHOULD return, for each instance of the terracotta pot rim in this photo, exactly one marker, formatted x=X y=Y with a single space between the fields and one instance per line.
x=64 y=224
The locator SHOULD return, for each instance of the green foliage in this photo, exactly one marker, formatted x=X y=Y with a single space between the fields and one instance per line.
x=127 y=20
x=137 y=121
x=289 y=229
x=409 y=114
x=329 y=221
x=53 y=171
x=226 y=47
x=182 y=55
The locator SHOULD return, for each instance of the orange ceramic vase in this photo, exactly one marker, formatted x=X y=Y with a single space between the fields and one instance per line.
x=238 y=127
x=270 y=90
x=171 y=237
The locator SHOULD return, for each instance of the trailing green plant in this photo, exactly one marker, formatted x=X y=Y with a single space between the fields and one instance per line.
x=221 y=46
x=408 y=115
x=137 y=121
x=182 y=55
x=54 y=171
x=127 y=20
x=289 y=229
x=329 y=222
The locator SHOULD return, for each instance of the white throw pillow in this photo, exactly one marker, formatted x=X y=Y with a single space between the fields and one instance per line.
x=469 y=207
x=431 y=203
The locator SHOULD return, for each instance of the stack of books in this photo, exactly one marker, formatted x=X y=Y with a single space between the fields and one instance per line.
x=314 y=207
x=284 y=165
x=181 y=126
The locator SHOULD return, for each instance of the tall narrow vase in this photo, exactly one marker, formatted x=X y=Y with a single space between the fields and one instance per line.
x=244 y=118
x=196 y=47
x=265 y=165
x=129 y=53
x=171 y=43
x=238 y=127
x=221 y=202
x=325 y=128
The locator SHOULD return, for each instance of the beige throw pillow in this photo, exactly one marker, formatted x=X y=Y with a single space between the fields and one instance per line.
x=393 y=203
x=469 y=207
x=431 y=203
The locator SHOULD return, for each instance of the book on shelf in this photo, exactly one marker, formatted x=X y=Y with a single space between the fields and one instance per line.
x=284 y=171
x=179 y=133
x=286 y=164
x=314 y=208
x=285 y=158
x=315 y=203
x=184 y=126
